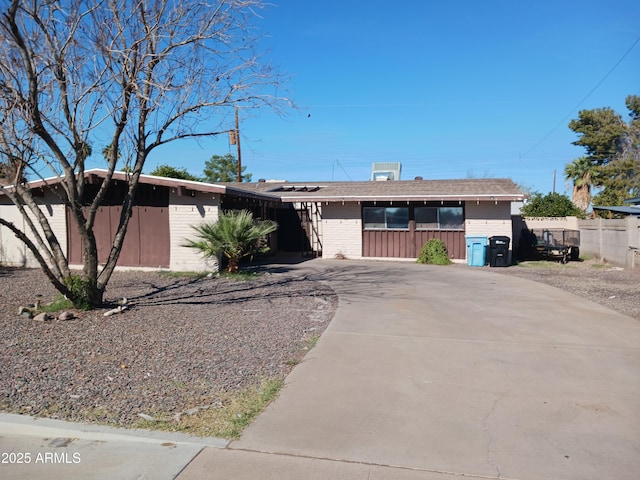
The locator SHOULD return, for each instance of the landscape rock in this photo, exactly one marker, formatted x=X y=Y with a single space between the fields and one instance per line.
x=113 y=311
x=66 y=315
x=149 y=418
x=43 y=317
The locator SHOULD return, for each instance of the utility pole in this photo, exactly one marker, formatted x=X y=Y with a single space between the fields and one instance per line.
x=238 y=143
x=554 y=175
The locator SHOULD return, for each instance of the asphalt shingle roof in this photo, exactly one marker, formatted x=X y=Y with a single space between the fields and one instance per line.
x=501 y=189
x=473 y=189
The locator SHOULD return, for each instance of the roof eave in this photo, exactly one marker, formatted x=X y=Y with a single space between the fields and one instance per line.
x=404 y=198
x=618 y=209
x=123 y=176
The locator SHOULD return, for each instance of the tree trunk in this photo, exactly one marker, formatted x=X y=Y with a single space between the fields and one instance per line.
x=581 y=197
x=233 y=265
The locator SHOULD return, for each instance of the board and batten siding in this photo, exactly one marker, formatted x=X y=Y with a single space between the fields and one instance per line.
x=185 y=211
x=341 y=230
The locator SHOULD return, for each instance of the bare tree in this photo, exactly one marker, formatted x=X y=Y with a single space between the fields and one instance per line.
x=141 y=73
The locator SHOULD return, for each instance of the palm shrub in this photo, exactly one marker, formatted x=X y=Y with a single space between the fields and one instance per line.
x=435 y=252
x=236 y=234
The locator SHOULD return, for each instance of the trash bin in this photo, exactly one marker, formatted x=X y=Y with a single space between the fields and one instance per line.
x=499 y=251
x=476 y=251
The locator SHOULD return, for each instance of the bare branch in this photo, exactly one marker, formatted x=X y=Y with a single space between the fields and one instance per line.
x=131 y=74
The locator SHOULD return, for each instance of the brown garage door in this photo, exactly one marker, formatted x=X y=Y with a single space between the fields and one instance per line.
x=146 y=243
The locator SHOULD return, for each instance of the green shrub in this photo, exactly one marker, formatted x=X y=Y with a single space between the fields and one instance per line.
x=81 y=291
x=434 y=252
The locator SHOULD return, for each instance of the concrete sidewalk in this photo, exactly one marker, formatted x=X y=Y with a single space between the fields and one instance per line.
x=38 y=448
x=425 y=372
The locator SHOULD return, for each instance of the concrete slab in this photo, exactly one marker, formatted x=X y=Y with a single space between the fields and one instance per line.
x=463 y=371
x=33 y=448
x=214 y=464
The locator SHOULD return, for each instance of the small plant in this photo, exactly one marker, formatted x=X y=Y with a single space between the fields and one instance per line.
x=311 y=342
x=81 y=291
x=434 y=252
x=248 y=404
x=240 y=275
x=308 y=344
x=236 y=234
x=59 y=303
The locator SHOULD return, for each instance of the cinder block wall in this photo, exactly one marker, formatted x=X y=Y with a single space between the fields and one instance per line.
x=566 y=223
x=614 y=240
x=341 y=230
x=183 y=213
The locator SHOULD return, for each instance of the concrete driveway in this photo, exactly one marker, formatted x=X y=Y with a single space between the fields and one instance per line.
x=438 y=372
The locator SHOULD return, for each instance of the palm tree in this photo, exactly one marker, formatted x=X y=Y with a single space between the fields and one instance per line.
x=583 y=172
x=235 y=235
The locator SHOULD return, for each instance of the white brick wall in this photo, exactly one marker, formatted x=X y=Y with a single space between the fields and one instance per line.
x=14 y=252
x=486 y=219
x=341 y=230
x=183 y=213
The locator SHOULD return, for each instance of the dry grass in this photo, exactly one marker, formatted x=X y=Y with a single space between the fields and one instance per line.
x=226 y=419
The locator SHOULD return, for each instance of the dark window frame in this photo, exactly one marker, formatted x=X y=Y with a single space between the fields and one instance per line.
x=390 y=220
x=439 y=214
x=412 y=224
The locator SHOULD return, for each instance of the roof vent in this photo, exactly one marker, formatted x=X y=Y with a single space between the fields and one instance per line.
x=386 y=171
x=296 y=188
x=419 y=178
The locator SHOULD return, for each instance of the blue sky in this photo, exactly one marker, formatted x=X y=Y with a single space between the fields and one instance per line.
x=451 y=89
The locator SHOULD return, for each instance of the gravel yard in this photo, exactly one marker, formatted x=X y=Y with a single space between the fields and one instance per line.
x=185 y=341
x=613 y=287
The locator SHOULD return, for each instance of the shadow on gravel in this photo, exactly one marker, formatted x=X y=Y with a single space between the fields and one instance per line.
x=7 y=271
x=222 y=291
x=363 y=278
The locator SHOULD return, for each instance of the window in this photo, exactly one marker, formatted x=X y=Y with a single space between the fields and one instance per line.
x=385 y=217
x=436 y=217
x=451 y=218
x=439 y=218
x=426 y=218
x=374 y=217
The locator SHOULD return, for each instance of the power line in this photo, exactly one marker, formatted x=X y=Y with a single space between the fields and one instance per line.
x=562 y=122
x=346 y=173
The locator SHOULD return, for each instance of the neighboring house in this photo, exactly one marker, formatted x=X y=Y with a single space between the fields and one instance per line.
x=370 y=219
x=631 y=207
